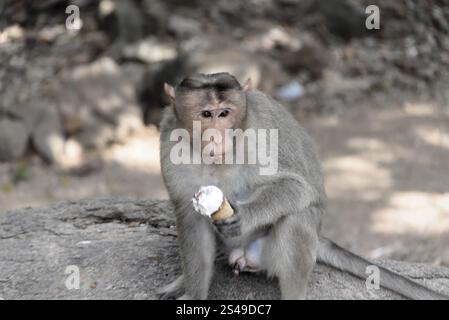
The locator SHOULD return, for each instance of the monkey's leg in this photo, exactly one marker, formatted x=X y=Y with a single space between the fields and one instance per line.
x=197 y=246
x=290 y=253
x=248 y=259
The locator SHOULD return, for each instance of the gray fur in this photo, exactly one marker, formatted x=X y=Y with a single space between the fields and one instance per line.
x=285 y=208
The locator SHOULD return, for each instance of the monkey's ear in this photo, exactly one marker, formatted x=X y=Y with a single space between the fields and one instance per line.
x=169 y=91
x=247 y=85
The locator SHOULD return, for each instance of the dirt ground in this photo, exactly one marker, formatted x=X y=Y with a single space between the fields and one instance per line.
x=386 y=171
x=387 y=181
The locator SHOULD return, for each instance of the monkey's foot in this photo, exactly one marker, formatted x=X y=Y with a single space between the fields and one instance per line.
x=248 y=260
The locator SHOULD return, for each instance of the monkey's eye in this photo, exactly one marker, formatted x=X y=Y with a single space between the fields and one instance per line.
x=224 y=113
x=206 y=114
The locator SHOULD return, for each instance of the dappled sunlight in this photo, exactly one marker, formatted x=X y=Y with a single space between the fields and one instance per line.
x=419 y=109
x=328 y=121
x=128 y=169
x=363 y=173
x=141 y=152
x=73 y=154
x=355 y=176
x=110 y=102
x=372 y=149
x=417 y=212
x=105 y=67
x=433 y=136
x=11 y=33
x=408 y=110
x=381 y=147
x=387 y=178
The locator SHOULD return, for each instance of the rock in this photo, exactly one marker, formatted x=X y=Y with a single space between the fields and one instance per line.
x=125 y=249
x=13 y=139
x=122 y=20
x=43 y=122
x=12 y=33
x=96 y=136
x=149 y=50
x=182 y=26
x=343 y=18
x=311 y=56
x=47 y=135
x=156 y=13
x=439 y=19
x=100 y=104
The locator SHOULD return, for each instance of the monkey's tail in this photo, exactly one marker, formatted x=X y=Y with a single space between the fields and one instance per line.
x=331 y=254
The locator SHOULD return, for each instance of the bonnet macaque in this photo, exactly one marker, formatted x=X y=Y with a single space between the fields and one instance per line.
x=275 y=227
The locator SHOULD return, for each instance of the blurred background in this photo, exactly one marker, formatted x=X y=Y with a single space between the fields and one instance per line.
x=79 y=109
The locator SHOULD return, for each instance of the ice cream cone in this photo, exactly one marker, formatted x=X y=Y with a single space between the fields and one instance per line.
x=210 y=201
x=225 y=211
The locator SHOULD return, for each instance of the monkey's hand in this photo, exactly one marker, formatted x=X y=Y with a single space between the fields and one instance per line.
x=229 y=227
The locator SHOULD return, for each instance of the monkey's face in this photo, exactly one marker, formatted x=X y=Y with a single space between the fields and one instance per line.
x=215 y=111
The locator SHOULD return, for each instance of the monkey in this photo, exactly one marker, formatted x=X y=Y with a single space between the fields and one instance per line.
x=232 y=59
x=277 y=221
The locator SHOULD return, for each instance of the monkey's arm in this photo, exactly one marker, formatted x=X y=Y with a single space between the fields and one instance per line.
x=288 y=194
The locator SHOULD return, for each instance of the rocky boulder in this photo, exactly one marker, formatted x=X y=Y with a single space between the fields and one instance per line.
x=125 y=249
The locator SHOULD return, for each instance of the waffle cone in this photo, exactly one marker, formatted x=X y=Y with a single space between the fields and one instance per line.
x=224 y=212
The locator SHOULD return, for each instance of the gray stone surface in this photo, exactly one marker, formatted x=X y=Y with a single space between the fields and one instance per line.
x=99 y=104
x=13 y=139
x=48 y=135
x=127 y=248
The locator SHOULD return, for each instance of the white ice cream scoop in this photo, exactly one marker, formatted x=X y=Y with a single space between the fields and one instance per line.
x=210 y=201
